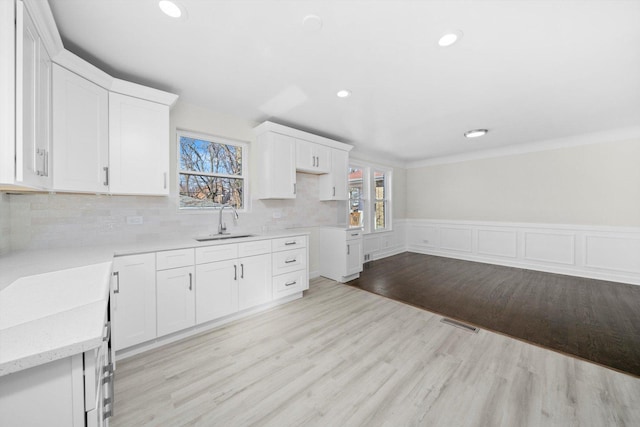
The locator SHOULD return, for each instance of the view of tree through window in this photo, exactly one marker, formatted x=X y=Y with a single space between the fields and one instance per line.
x=210 y=172
x=356 y=191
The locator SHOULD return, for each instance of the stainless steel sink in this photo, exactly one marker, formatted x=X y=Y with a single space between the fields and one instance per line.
x=223 y=237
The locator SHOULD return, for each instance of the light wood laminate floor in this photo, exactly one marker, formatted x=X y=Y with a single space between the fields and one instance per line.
x=341 y=356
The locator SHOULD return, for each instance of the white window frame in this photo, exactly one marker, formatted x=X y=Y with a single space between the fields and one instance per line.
x=219 y=140
x=369 y=196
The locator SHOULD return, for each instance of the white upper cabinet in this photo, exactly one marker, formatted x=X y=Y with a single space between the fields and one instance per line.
x=281 y=150
x=138 y=146
x=275 y=157
x=312 y=158
x=32 y=105
x=334 y=185
x=80 y=133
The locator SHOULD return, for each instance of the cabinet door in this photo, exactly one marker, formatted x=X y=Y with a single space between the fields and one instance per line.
x=216 y=290
x=312 y=157
x=254 y=286
x=80 y=133
x=333 y=186
x=305 y=158
x=33 y=76
x=323 y=158
x=276 y=159
x=175 y=293
x=133 y=303
x=138 y=146
x=354 y=257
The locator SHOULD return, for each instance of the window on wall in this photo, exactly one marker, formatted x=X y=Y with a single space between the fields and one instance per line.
x=211 y=171
x=380 y=202
x=369 y=197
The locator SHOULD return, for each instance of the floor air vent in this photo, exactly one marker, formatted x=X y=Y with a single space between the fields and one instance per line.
x=460 y=325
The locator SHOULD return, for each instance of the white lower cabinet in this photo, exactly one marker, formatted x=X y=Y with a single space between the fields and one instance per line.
x=176 y=299
x=133 y=300
x=157 y=294
x=71 y=392
x=216 y=290
x=254 y=282
x=341 y=255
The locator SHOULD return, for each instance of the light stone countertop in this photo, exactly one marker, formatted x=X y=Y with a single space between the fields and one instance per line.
x=53 y=302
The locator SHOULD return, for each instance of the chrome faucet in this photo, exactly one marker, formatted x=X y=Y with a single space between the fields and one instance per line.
x=222 y=227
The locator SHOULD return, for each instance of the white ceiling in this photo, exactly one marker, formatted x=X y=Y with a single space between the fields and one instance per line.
x=526 y=70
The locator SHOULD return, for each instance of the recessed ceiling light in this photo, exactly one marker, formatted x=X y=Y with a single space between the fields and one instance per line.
x=450 y=38
x=312 y=23
x=344 y=93
x=170 y=8
x=475 y=133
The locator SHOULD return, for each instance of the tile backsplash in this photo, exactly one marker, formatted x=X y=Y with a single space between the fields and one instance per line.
x=37 y=221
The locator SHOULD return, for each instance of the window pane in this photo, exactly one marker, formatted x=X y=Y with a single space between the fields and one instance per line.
x=203 y=191
x=381 y=208
x=198 y=155
x=380 y=185
x=356 y=204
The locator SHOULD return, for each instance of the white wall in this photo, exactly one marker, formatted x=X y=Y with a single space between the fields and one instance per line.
x=596 y=184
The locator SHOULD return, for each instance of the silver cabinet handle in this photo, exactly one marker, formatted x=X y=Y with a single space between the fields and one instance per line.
x=106 y=175
x=46 y=163
x=348 y=249
x=334 y=191
x=116 y=290
x=109 y=400
x=165 y=180
x=190 y=281
x=235 y=272
x=354 y=234
x=290 y=283
x=242 y=271
x=289 y=261
x=318 y=165
x=294 y=188
x=290 y=243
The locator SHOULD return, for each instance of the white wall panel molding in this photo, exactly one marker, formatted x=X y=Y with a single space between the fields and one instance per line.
x=598 y=252
x=386 y=243
x=456 y=239
x=550 y=247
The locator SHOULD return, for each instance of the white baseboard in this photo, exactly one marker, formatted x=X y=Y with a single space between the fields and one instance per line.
x=605 y=253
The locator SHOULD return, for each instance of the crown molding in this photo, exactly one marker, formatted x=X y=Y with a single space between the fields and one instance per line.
x=620 y=134
x=296 y=133
x=42 y=17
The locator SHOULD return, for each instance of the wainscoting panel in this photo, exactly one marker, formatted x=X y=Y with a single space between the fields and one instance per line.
x=550 y=247
x=498 y=243
x=385 y=243
x=456 y=239
x=616 y=253
x=607 y=253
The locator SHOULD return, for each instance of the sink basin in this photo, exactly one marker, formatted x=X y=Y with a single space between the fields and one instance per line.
x=223 y=237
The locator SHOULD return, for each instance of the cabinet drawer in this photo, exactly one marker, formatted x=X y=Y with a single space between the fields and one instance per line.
x=287 y=261
x=290 y=283
x=174 y=259
x=258 y=247
x=288 y=243
x=216 y=253
x=354 y=234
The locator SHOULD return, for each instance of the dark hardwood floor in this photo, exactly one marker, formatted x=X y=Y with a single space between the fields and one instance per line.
x=592 y=319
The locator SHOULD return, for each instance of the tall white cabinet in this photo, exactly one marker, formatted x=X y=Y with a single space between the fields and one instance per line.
x=32 y=104
x=138 y=146
x=80 y=133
